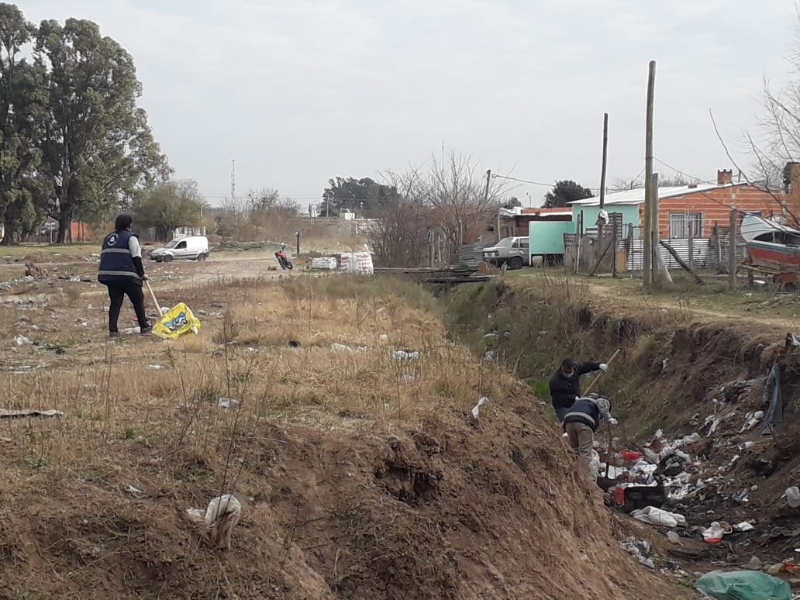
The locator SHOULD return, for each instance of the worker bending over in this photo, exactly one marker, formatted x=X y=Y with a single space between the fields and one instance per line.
x=582 y=420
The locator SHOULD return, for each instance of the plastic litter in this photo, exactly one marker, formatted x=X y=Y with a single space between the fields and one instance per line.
x=639 y=549
x=714 y=534
x=405 y=354
x=227 y=403
x=477 y=408
x=656 y=516
x=177 y=321
x=743 y=526
x=217 y=520
x=743 y=585
x=793 y=497
x=673 y=537
x=21 y=340
x=629 y=455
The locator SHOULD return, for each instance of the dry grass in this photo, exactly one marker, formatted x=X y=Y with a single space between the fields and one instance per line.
x=142 y=408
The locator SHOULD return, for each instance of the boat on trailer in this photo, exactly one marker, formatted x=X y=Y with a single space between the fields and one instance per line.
x=770 y=245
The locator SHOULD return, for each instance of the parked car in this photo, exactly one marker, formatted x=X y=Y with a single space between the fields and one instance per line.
x=512 y=251
x=189 y=248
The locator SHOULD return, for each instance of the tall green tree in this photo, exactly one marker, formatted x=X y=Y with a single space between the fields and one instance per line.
x=22 y=102
x=168 y=206
x=564 y=192
x=97 y=146
x=362 y=195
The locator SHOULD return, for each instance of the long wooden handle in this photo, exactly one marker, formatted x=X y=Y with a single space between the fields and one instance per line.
x=601 y=373
x=153 y=296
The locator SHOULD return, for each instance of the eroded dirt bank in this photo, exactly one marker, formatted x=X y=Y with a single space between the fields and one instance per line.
x=360 y=476
x=675 y=375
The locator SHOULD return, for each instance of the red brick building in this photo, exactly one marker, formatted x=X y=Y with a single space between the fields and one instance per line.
x=693 y=210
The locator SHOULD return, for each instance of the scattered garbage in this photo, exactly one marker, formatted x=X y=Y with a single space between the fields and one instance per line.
x=715 y=533
x=742 y=527
x=177 y=321
x=639 y=549
x=294 y=344
x=656 y=516
x=755 y=564
x=476 y=409
x=788 y=566
x=793 y=497
x=489 y=356
x=134 y=491
x=359 y=263
x=405 y=354
x=155 y=367
x=629 y=455
x=21 y=340
x=227 y=403
x=673 y=537
x=743 y=585
x=218 y=520
x=324 y=263
x=384 y=337
x=26 y=412
x=751 y=420
x=344 y=348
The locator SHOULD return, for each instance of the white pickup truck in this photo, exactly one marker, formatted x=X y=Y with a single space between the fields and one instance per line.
x=513 y=251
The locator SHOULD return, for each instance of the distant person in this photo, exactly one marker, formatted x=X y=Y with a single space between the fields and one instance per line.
x=565 y=387
x=582 y=420
x=122 y=272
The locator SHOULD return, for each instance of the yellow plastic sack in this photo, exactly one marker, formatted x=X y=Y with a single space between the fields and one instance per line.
x=177 y=321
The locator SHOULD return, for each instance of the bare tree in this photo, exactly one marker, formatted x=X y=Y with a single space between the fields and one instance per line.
x=448 y=195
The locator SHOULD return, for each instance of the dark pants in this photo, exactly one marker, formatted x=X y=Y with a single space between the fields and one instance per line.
x=117 y=293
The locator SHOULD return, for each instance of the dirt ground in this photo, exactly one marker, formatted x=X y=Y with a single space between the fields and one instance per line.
x=765 y=305
x=360 y=475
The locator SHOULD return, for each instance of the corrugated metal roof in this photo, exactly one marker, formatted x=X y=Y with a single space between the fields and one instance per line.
x=636 y=196
x=549 y=212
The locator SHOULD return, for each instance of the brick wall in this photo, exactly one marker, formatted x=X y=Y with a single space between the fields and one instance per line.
x=715 y=206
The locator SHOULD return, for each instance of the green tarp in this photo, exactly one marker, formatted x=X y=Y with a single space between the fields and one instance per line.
x=743 y=585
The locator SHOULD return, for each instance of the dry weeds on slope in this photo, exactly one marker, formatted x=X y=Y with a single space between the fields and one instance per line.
x=361 y=476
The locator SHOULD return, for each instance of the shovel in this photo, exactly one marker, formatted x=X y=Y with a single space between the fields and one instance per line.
x=153 y=296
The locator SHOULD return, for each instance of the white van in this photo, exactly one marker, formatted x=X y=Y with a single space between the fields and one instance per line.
x=193 y=247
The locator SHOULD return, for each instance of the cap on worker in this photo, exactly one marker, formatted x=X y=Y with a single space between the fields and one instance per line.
x=567 y=363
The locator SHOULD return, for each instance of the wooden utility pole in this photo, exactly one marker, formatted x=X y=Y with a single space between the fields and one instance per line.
x=648 y=178
x=732 y=249
x=660 y=271
x=603 y=185
x=297 y=236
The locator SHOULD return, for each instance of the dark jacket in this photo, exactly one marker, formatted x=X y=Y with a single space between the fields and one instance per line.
x=589 y=411
x=117 y=265
x=564 y=390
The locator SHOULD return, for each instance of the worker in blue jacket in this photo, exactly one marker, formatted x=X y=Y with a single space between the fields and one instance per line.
x=122 y=272
x=582 y=420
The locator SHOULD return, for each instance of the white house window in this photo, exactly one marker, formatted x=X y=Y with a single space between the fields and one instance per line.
x=682 y=224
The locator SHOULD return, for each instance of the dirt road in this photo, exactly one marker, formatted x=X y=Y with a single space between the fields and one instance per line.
x=623 y=299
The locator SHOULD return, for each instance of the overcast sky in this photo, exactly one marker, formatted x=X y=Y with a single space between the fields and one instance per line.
x=298 y=91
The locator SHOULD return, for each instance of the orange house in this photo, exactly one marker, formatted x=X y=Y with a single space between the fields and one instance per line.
x=688 y=211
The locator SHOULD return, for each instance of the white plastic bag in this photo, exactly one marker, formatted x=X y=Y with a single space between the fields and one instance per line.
x=656 y=516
